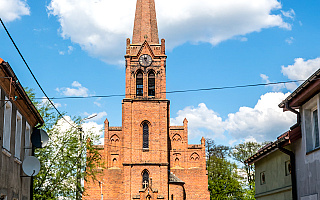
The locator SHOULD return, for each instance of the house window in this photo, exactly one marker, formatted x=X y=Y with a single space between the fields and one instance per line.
x=262 y=178
x=315 y=127
x=311 y=124
x=7 y=124
x=145 y=179
x=27 y=143
x=288 y=167
x=145 y=136
x=151 y=84
x=139 y=82
x=18 y=135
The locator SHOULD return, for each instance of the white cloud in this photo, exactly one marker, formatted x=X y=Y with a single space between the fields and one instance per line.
x=275 y=87
x=289 y=40
x=45 y=101
x=200 y=118
x=105 y=25
x=66 y=123
x=301 y=69
x=290 y=14
x=95 y=128
x=77 y=90
x=70 y=49
x=265 y=121
x=11 y=10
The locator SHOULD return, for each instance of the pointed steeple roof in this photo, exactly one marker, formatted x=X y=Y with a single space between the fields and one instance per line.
x=145 y=23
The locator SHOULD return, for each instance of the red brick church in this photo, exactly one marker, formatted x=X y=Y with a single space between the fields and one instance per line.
x=147 y=158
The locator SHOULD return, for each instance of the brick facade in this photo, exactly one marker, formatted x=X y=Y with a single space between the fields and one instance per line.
x=147 y=158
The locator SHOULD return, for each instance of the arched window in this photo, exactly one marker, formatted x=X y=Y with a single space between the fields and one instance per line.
x=145 y=133
x=151 y=84
x=139 y=82
x=145 y=179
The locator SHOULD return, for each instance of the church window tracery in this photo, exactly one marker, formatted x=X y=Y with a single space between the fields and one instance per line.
x=145 y=130
x=151 y=84
x=194 y=157
x=177 y=138
x=145 y=179
x=139 y=83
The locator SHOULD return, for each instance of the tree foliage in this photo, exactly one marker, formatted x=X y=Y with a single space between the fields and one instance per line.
x=222 y=174
x=63 y=161
x=243 y=151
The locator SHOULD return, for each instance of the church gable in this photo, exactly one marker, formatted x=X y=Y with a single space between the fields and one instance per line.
x=145 y=49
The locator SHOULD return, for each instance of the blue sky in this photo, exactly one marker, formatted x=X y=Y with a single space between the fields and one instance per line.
x=76 y=48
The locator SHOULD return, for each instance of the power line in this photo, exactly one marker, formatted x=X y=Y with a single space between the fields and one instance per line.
x=34 y=75
x=182 y=91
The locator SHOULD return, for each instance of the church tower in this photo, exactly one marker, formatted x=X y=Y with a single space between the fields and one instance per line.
x=145 y=109
x=145 y=154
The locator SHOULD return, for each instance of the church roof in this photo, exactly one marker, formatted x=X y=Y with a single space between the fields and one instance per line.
x=145 y=23
x=174 y=179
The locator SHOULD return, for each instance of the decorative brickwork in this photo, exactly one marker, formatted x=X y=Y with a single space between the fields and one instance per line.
x=146 y=158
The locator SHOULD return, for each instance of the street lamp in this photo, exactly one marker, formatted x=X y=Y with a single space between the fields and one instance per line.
x=78 y=196
x=100 y=184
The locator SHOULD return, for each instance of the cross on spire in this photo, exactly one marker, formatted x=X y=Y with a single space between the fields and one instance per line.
x=145 y=23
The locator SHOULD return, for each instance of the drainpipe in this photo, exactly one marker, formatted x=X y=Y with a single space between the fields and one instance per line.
x=295 y=112
x=291 y=154
x=293 y=171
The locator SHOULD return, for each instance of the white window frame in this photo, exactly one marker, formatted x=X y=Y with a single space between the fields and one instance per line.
x=308 y=122
x=27 y=140
x=18 y=134
x=7 y=118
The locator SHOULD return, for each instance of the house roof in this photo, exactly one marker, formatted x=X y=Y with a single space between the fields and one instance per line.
x=282 y=140
x=26 y=105
x=304 y=92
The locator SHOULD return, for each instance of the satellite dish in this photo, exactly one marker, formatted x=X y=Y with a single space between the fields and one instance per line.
x=39 y=138
x=31 y=166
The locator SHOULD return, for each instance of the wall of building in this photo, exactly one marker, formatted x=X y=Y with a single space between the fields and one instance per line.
x=277 y=184
x=12 y=185
x=307 y=162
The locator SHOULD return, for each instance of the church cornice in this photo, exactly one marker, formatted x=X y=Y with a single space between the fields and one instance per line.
x=145 y=164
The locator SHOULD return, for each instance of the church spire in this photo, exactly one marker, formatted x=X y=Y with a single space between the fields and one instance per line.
x=145 y=23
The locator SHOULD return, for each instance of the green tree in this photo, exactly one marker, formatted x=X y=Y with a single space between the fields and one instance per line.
x=64 y=161
x=223 y=178
x=240 y=153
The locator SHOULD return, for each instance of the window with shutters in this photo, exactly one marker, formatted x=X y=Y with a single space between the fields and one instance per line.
x=151 y=84
x=145 y=129
x=139 y=82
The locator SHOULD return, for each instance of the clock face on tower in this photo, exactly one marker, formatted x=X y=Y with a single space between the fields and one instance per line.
x=145 y=60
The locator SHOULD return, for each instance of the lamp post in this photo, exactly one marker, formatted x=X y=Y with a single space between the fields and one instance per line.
x=100 y=184
x=78 y=195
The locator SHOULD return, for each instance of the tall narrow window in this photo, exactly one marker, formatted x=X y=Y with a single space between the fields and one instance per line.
x=7 y=125
x=18 y=135
x=151 y=84
x=145 y=136
x=315 y=128
x=145 y=179
x=139 y=82
x=27 y=141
